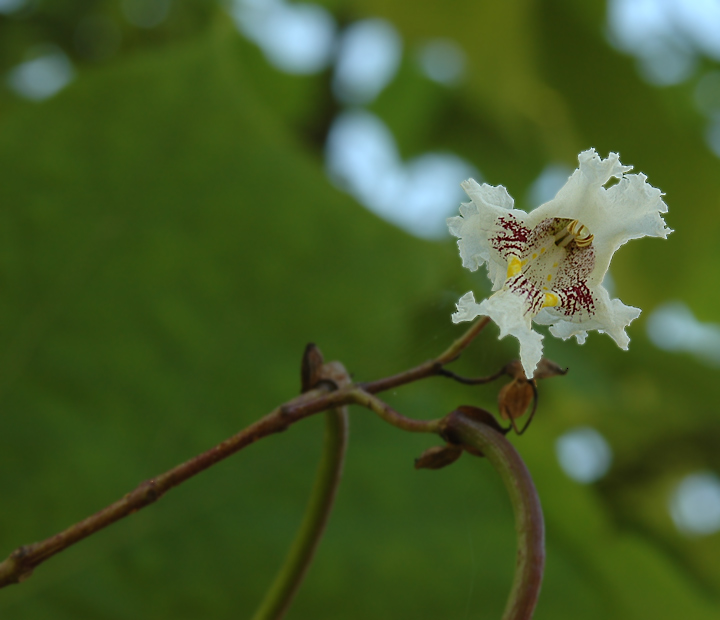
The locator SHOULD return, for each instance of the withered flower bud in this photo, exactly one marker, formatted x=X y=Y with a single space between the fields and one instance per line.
x=515 y=397
x=312 y=362
x=438 y=457
x=547 y=368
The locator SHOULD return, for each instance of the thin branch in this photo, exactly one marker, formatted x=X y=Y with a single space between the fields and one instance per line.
x=456 y=348
x=444 y=372
x=431 y=368
x=387 y=413
x=288 y=580
x=529 y=525
x=21 y=562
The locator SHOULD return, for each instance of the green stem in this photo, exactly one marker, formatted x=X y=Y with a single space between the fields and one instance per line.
x=387 y=413
x=288 y=580
x=529 y=523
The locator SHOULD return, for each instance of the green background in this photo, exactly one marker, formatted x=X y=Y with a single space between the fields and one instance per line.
x=168 y=245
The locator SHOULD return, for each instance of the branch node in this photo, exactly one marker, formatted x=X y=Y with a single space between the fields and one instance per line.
x=148 y=491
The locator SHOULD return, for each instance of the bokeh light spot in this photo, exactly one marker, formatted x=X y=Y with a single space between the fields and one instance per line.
x=547 y=184
x=665 y=36
x=43 y=76
x=295 y=38
x=368 y=57
x=443 y=61
x=695 y=504
x=673 y=327
x=584 y=454
x=8 y=7
x=362 y=159
x=712 y=133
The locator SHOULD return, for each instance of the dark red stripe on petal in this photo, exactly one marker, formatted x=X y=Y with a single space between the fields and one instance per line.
x=509 y=237
x=524 y=288
x=577 y=301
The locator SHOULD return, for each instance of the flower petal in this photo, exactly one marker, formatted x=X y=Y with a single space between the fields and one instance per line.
x=571 y=201
x=610 y=316
x=508 y=310
x=628 y=210
x=467 y=309
x=478 y=226
x=488 y=196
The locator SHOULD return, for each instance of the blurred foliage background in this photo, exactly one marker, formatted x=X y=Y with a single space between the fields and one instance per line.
x=183 y=191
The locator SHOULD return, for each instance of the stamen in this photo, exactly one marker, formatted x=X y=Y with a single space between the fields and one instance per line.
x=585 y=241
x=573 y=231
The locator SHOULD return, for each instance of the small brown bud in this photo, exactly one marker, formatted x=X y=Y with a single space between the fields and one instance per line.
x=312 y=362
x=438 y=457
x=547 y=368
x=514 y=398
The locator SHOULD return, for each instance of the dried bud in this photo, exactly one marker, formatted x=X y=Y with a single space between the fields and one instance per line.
x=547 y=368
x=482 y=416
x=514 y=398
x=438 y=457
x=312 y=362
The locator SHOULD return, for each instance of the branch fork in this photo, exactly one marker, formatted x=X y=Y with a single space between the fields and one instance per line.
x=327 y=386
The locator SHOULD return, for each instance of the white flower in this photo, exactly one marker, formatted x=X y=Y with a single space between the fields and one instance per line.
x=548 y=264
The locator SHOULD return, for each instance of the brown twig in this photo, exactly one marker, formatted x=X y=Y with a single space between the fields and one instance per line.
x=431 y=368
x=444 y=372
x=387 y=413
x=21 y=562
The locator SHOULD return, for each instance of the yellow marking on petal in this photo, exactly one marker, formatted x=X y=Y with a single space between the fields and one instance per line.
x=549 y=277
x=551 y=300
x=542 y=250
x=555 y=264
x=514 y=267
x=534 y=255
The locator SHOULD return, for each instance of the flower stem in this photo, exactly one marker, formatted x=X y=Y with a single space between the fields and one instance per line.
x=529 y=523
x=288 y=580
x=432 y=367
x=387 y=413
